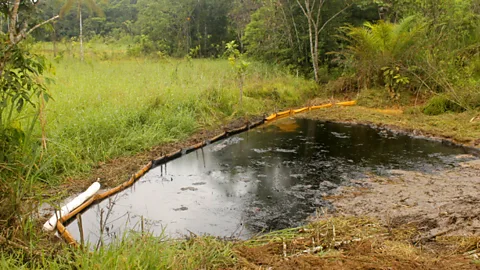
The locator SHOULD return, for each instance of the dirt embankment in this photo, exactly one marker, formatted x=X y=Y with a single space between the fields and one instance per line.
x=445 y=202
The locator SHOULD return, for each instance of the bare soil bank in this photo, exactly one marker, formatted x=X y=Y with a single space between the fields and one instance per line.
x=445 y=202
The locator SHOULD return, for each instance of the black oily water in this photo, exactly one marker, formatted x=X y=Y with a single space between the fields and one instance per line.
x=268 y=178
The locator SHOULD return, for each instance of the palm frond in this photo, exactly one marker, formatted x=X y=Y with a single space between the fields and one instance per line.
x=92 y=6
x=67 y=7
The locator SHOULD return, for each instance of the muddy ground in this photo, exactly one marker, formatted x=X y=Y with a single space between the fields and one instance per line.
x=443 y=202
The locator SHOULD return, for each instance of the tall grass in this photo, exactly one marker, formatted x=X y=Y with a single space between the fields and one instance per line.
x=105 y=109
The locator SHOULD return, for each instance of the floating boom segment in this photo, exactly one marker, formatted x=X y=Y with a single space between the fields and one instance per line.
x=51 y=224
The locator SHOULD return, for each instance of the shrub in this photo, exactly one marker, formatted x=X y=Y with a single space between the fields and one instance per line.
x=440 y=104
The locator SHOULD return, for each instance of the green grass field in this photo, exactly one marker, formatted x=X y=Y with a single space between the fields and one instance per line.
x=105 y=109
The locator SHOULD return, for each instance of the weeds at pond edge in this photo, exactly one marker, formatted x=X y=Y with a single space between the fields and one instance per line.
x=327 y=243
x=348 y=243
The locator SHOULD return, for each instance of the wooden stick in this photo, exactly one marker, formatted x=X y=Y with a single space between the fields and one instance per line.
x=80 y=228
x=218 y=137
x=66 y=234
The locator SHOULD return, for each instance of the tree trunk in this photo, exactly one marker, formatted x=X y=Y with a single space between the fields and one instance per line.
x=205 y=41
x=313 y=49
x=315 y=53
x=308 y=12
x=81 y=31
x=242 y=78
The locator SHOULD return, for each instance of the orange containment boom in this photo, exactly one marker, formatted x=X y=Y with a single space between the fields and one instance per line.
x=329 y=105
x=347 y=103
x=301 y=110
x=284 y=113
x=271 y=117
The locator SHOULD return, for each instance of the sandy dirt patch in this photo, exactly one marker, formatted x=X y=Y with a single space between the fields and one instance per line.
x=445 y=202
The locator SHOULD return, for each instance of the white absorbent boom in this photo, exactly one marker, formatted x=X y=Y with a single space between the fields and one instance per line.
x=51 y=224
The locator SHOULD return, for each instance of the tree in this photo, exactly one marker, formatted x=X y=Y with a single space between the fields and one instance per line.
x=381 y=53
x=167 y=24
x=17 y=30
x=238 y=64
x=20 y=87
x=176 y=27
x=313 y=12
x=276 y=34
x=79 y=3
x=19 y=71
x=240 y=16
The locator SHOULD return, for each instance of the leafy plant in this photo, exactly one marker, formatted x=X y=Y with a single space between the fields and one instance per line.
x=22 y=96
x=378 y=53
x=235 y=58
x=394 y=80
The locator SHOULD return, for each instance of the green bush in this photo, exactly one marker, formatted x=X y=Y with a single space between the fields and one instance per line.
x=439 y=105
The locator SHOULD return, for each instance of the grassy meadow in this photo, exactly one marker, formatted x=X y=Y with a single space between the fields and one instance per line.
x=101 y=109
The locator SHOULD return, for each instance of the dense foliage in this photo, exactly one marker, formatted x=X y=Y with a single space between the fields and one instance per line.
x=22 y=96
x=435 y=50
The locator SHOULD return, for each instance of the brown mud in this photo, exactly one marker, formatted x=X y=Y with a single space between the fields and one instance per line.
x=442 y=203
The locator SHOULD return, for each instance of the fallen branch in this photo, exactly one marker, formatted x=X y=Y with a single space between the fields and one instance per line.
x=42 y=24
x=433 y=236
x=475 y=118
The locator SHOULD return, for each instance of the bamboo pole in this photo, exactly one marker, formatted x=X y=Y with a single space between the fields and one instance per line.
x=66 y=234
